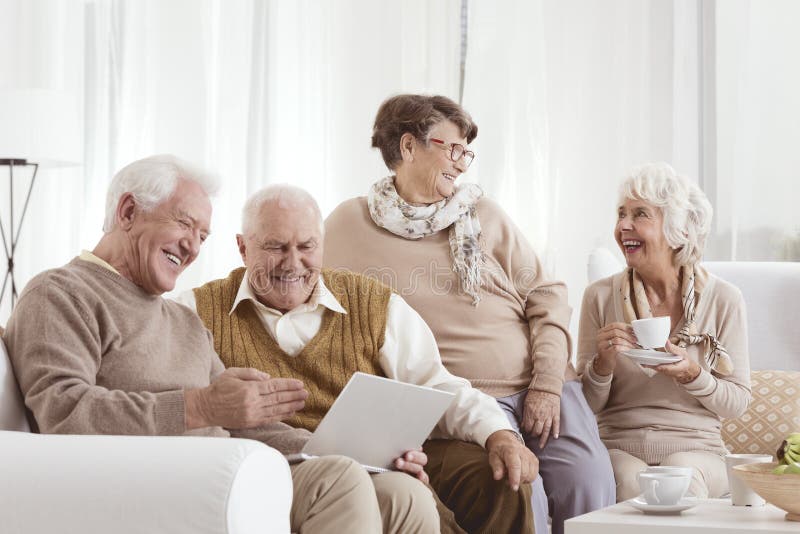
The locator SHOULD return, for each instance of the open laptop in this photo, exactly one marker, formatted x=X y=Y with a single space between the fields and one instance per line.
x=375 y=420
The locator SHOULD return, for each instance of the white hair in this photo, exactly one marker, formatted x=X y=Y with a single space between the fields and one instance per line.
x=285 y=196
x=151 y=181
x=685 y=208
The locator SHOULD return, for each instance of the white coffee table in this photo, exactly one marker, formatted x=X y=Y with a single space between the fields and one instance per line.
x=709 y=516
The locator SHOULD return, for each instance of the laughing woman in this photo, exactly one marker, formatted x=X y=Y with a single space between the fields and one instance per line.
x=669 y=414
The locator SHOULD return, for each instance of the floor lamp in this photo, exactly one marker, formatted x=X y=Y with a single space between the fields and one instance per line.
x=38 y=127
x=10 y=241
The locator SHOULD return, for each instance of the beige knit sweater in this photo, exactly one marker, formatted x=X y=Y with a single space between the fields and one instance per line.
x=516 y=338
x=94 y=354
x=652 y=417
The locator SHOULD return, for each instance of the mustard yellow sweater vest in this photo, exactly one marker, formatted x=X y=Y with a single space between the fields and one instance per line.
x=345 y=343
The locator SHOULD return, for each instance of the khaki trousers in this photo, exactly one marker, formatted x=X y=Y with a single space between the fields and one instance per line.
x=461 y=476
x=336 y=494
x=709 y=480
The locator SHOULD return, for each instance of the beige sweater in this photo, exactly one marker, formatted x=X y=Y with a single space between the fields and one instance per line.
x=516 y=338
x=94 y=354
x=652 y=417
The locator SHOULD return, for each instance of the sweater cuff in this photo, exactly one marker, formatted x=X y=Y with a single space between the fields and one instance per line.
x=547 y=383
x=702 y=386
x=595 y=379
x=170 y=413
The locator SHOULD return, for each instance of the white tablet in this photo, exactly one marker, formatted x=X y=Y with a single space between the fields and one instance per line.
x=375 y=420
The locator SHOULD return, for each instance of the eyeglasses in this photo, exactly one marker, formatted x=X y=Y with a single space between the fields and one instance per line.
x=457 y=151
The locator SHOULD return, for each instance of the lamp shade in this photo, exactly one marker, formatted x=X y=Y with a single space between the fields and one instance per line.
x=40 y=125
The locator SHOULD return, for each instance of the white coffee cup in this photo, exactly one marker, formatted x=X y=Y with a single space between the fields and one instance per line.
x=652 y=332
x=688 y=472
x=741 y=494
x=663 y=488
x=673 y=469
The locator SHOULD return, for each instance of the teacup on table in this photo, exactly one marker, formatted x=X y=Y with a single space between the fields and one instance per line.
x=674 y=469
x=653 y=332
x=663 y=488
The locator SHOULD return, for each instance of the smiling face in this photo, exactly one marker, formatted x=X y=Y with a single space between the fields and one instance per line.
x=640 y=235
x=427 y=174
x=283 y=254
x=162 y=242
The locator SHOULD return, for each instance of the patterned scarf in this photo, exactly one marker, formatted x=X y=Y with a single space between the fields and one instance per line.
x=458 y=212
x=636 y=306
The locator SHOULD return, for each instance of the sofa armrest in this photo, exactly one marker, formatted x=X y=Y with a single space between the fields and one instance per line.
x=127 y=484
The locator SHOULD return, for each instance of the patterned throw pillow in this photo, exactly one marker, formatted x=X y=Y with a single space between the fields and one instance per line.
x=773 y=414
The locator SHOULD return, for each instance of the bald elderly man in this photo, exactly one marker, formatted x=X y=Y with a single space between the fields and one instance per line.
x=283 y=314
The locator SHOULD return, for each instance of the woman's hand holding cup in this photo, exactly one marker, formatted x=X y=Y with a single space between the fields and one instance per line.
x=611 y=340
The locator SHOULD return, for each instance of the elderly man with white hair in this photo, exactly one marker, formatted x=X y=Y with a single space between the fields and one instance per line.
x=284 y=315
x=97 y=350
x=668 y=414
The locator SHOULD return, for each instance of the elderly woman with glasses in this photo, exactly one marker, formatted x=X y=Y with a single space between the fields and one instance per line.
x=464 y=266
x=666 y=414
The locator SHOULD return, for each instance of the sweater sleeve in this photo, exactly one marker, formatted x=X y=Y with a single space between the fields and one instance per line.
x=595 y=388
x=56 y=348
x=727 y=396
x=544 y=300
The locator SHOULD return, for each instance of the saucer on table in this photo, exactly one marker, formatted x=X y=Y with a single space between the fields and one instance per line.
x=672 y=509
x=650 y=356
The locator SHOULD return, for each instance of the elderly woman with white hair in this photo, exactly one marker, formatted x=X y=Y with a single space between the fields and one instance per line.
x=667 y=414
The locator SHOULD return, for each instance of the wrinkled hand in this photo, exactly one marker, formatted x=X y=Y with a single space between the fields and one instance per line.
x=542 y=415
x=244 y=398
x=510 y=457
x=683 y=371
x=413 y=462
x=612 y=339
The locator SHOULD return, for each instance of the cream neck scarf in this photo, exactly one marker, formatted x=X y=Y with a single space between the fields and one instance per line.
x=388 y=210
x=636 y=306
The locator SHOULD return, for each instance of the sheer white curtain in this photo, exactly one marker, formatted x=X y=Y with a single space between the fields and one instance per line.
x=752 y=169
x=260 y=91
x=41 y=49
x=568 y=95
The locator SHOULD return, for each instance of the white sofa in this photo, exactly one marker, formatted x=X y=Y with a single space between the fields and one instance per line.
x=128 y=484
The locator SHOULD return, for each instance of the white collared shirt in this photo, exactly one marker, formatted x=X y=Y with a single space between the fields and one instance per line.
x=409 y=354
x=295 y=328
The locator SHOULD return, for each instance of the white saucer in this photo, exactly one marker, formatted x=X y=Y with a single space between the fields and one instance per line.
x=665 y=509
x=650 y=356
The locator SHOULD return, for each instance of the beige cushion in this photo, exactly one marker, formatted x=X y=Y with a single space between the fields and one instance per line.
x=773 y=414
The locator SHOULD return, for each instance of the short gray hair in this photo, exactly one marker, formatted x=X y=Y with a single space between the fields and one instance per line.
x=286 y=196
x=685 y=208
x=151 y=181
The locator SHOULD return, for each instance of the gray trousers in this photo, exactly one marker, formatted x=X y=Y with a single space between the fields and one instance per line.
x=575 y=471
